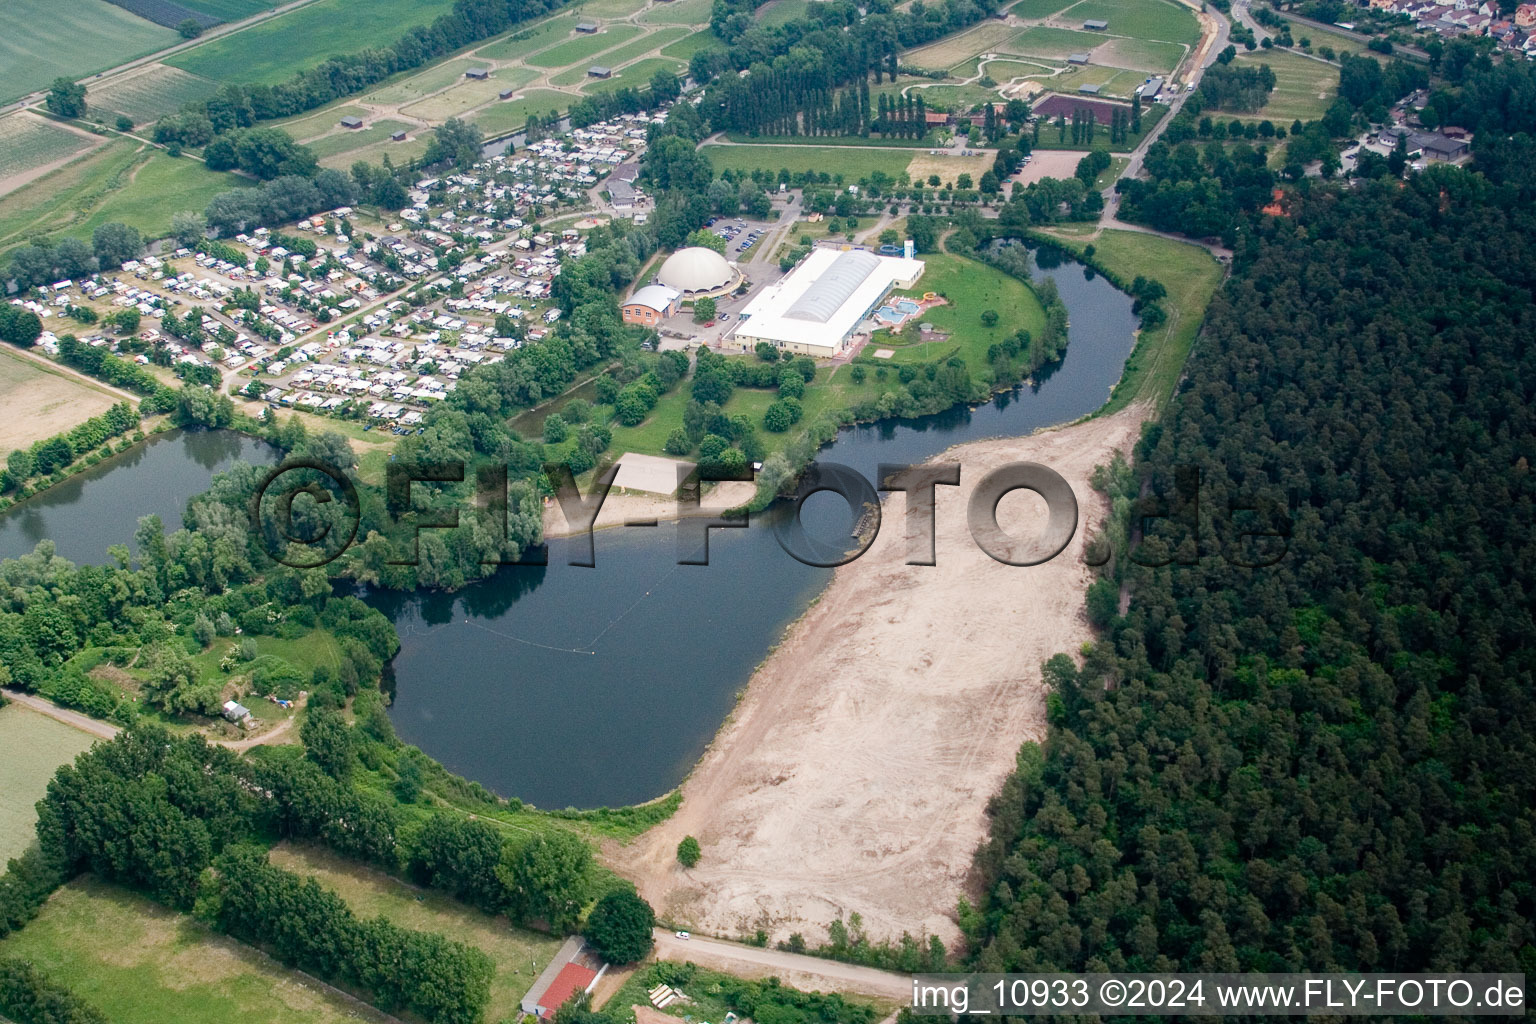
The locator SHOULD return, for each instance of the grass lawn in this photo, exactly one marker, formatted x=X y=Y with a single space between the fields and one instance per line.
x=40 y=402
x=47 y=39
x=1304 y=88
x=582 y=47
x=971 y=288
x=952 y=50
x=1141 y=54
x=781 y=12
x=510 y=115
x=399 y=152
x=275 y=49
x=28 y=142
x=632 y=49
x=850 y=164
x=608 y=8
x=519 y=954
x=161 y=186
x=351 y=140
x=637 y=75
x=469 y=93
x=140 y=963
x=525 y=41
x=414 y=87
x=1321 y=37
x=690 y=45
x=1044 y=41
x=35 y=746
x=1141 y=19
x=1037 y=8
x=679 y=12
x=150 y=94
x=321 y=121
x=1191 y=276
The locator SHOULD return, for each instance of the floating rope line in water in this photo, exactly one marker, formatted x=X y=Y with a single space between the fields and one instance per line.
x=530 y=643
x=591 y=644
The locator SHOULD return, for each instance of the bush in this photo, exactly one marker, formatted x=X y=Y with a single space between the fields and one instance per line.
x=619 y=927
x=688 y=852
x=857 y=374
x=791 y=384
x=678 y=443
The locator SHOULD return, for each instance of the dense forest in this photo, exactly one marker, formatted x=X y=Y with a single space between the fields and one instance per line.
x=1325 y=763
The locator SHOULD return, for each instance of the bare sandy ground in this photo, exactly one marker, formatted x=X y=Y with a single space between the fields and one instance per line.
x=39 y=403
x=622 y=507
x=854 y=775
x=1049 y=163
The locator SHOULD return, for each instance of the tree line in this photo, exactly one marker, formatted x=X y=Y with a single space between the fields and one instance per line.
x=1320 y=762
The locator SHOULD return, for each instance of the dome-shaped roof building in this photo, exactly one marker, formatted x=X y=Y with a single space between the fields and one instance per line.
x=697 y=271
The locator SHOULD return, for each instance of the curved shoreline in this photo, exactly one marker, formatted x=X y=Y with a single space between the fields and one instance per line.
x=854 y=773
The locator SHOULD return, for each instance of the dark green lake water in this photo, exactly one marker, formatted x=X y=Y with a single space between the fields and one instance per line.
x=570 y=686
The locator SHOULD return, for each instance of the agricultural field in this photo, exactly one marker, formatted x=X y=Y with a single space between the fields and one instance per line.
x=273 y=50
x=349 y=141
x=947 y=52
x=228 y=10
x=1038 y=8
x=43 y=206
x=468 y=94
x=149 y=94
x=35 y=746
x=519 y=954
x=851 y=163
x=141 y=963
x=28 y=142
x=583 y=47
x=509 y=115
x=47 y=39
x=1140 y=19
x=521 y=44
x=637 y=75
x=1304 y=88
x=40 y=402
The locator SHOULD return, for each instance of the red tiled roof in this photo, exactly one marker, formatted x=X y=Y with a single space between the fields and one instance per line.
x=572 y=978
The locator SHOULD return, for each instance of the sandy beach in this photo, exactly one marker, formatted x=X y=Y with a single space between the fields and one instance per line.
x=855 y=772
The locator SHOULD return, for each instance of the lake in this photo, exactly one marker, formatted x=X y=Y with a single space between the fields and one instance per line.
x=569 y=686
x=100 y=507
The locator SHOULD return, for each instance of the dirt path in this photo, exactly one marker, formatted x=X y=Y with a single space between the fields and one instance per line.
x=85 y=723
x=804 y=972
x=854 y=775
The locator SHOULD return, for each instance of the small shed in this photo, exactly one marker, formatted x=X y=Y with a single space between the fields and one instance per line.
x=1088 y=90
x=479 y=74
x=507 y=94
x=351 y=122
x=1077 y=58
x=1095 y=25
x=236 y=712
x=599 y=71
x=589 y=27
x=397 y=137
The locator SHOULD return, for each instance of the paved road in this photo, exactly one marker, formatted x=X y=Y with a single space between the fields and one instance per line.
x=84 y=723
x=795 y=968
